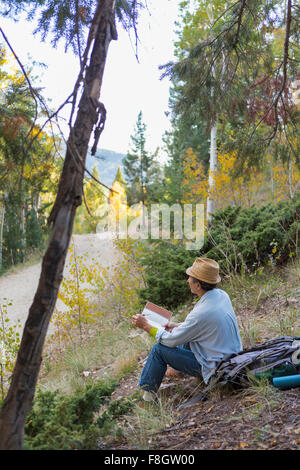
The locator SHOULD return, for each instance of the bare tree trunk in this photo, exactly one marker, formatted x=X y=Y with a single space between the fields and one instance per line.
x=210 y=209
x=22 y=229
x=210 y=203
x=19 y=399
x=2 y=215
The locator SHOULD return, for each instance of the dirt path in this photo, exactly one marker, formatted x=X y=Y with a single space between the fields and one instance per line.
x=20 y=287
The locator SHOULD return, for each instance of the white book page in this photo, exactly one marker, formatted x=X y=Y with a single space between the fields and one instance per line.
x=154 y=319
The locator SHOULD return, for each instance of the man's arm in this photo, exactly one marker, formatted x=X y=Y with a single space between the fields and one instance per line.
x=141 y=322
x=182 y=333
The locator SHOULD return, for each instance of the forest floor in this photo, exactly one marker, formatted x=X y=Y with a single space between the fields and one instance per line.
x=251 y=419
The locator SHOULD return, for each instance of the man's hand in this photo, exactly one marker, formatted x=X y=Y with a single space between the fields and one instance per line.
x=171 y=325
x=141 y=322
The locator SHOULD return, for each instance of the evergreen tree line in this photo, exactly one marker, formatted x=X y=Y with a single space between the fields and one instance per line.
x=27 y=164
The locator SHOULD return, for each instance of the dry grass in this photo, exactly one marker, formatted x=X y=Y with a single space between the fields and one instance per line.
x=109 y=352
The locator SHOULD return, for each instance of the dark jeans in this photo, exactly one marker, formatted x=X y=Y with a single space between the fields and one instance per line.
x=179 y=358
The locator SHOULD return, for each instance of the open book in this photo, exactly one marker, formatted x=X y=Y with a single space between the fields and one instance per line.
x=156 y=316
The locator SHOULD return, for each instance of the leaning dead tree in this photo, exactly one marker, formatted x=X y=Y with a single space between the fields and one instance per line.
x=90 y=116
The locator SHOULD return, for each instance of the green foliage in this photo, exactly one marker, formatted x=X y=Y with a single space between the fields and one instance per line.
x=13 y=235
x=164 y=273
x=247 y=238
x=239 y=239
x=34 y=234
x=119 y=177
x=24 y=231
x=125 y=279
x=116 y=409
x=64 y=422
x=67 y=19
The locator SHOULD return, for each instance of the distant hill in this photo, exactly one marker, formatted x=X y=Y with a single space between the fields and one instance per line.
x=107 y=163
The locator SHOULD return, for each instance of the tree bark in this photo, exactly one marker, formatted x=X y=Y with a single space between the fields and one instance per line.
x=210 y=209
x=20 y=395
x=210 y=203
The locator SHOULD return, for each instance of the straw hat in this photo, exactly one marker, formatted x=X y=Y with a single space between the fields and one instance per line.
x=205 y=269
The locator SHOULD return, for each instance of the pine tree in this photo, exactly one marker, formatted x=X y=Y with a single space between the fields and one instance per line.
x=228 y=66
x=119 y=177
x=140 y=167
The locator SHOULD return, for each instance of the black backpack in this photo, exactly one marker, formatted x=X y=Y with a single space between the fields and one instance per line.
x=275 y=358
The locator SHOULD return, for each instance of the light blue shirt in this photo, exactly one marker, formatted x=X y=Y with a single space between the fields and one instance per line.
x=211 y=329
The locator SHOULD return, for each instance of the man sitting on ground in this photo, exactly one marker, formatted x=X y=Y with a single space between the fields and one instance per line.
x=194 y=347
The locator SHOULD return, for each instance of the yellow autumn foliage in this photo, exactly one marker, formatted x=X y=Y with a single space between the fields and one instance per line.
x=195 y=182
x=118 y=203
x=239 y=191
x=91 y=292
x=9 y=346
x=286 y=180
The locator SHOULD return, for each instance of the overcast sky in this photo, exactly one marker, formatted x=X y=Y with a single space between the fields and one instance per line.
x=128 y=86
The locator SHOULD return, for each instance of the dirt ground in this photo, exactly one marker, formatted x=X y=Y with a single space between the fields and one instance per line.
x=228 y=420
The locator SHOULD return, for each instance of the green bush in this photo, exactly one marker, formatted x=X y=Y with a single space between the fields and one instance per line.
x=117 y=408
x=238 y=238
x=253 y=236
x=165 y=279
x=62 y=422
